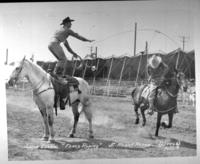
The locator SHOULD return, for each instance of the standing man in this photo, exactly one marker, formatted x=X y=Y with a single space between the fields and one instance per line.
x=60 y=36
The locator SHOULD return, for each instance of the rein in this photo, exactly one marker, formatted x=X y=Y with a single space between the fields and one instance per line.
x=171 y=94
x=35 y=91
x=38 y=86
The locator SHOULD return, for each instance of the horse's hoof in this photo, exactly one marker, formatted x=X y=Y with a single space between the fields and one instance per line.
x=50 y=141
x=137 y=121
x=44 y=139
x=143 y=124
x=163 y=124
x=71 y=136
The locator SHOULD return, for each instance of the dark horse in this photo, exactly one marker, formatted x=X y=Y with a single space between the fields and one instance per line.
x=165 y=101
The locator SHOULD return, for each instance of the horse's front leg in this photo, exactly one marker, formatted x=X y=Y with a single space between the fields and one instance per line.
x=46 y=126
x=170 y=116
x=137 y=120
x=76 y=118
x=159 y=116
x=170 y=119
x=50 y=119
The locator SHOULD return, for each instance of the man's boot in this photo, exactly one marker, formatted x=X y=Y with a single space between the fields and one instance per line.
x=58 y=70
x=151 y=102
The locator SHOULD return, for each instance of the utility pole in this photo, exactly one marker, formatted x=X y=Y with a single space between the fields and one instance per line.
x=146 y=47
x=6 y=62
x=146 y=52
x=91 y=48
x=135 y=37
x=183 y=40
x=96 y=51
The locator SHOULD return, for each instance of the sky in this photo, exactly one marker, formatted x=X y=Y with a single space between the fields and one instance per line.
x=26 y=28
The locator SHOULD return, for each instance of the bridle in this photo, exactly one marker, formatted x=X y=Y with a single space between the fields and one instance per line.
x=171 y=94
x=38 y=85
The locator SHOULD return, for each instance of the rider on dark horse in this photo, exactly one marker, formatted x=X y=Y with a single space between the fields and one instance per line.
x=157 y=71
x=60 y=36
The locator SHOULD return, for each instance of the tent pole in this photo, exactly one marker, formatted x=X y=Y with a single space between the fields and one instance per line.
x=108 y=78
x=85 y=70
x=177 y=60
x=138 y=71
x=94 y=78
x=121 y=74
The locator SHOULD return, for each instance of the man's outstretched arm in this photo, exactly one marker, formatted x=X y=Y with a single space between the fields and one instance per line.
x=76 y=35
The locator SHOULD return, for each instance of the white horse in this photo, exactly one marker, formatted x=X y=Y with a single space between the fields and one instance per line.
x=43 y=95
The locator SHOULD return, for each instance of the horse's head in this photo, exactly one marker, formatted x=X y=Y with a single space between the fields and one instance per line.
x=17 y=73
x=182 y=81
x=175 y=80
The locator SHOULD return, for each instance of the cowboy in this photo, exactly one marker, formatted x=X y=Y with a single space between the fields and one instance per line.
x=157 y=71
x=60 y=36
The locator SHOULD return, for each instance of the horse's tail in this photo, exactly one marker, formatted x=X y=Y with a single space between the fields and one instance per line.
x=133 y=95
x=133 y=92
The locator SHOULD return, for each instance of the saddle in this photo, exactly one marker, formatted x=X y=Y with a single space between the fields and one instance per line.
x=63 y=86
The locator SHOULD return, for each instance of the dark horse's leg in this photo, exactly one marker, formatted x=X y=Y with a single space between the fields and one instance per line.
x=143 y=115
x=170 y=117
x=159 y=116
x=137 y=114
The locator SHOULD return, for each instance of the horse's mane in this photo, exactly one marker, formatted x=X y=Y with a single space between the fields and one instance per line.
x=34 y=65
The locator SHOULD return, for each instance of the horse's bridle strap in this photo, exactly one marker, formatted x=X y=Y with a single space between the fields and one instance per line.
x=170 y=94
x=40 y=85
x=43 y=91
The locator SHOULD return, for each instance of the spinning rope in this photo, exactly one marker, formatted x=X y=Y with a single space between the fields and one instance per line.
x=79 y=66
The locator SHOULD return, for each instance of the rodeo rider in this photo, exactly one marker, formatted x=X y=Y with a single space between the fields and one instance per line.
x=60 y=36
x=157 y=71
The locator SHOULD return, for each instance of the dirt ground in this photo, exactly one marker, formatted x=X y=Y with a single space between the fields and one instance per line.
x=115 y=134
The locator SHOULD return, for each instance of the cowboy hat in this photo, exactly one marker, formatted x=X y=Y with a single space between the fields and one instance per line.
x=154 y=61
x=66 y=20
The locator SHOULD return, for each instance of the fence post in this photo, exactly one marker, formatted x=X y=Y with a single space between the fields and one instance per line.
x=85 y=69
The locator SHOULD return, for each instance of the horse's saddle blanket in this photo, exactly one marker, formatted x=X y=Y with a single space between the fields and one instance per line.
x=146 y=91
x=64 y=85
